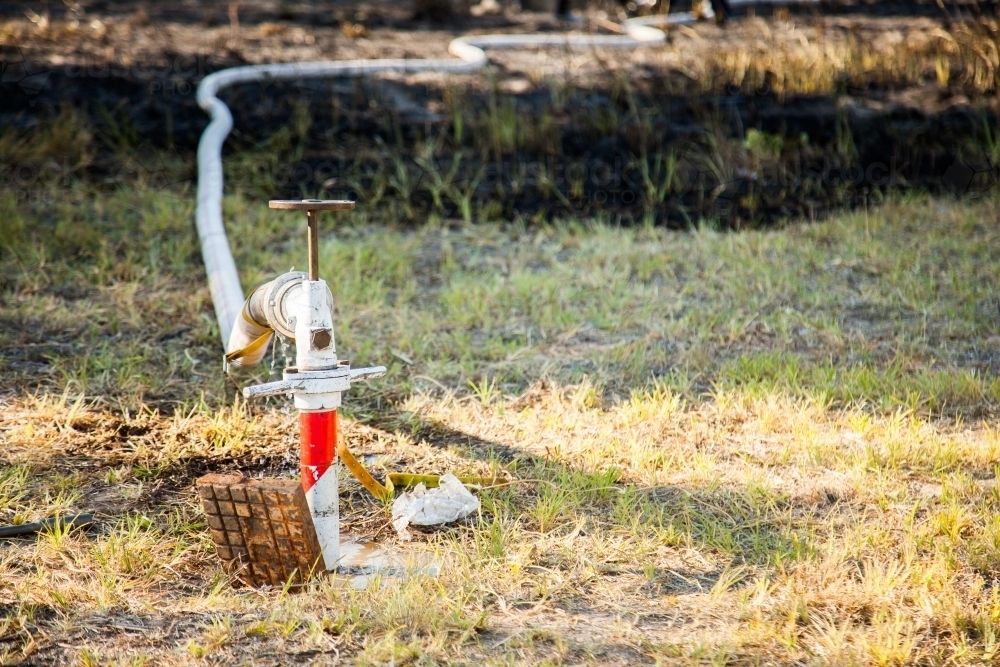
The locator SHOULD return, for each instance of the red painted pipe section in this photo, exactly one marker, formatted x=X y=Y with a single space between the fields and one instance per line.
x=318 y=440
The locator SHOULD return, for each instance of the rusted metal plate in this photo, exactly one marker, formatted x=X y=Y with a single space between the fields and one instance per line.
x=262 y=528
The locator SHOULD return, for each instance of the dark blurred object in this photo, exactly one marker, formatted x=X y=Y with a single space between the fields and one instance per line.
x=440 y=9
x=722 y=11
x=23 y=529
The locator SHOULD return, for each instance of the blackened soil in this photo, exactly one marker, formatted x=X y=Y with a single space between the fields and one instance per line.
x=736 y=158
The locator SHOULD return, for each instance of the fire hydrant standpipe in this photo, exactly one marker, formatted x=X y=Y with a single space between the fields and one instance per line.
x=300 y=306
x=318 y=378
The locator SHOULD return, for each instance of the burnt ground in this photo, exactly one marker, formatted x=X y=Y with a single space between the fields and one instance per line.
x=780 y=114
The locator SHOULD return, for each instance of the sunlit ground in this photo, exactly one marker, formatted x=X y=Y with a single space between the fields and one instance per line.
x=761 y=447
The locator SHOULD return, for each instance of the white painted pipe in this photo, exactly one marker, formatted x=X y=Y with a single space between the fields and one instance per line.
x=223 y=279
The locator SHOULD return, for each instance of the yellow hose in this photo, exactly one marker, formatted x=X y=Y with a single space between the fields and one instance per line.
x=394 y=480
x=248 y=340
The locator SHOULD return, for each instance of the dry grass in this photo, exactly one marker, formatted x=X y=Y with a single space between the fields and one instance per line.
x=836 y=54
x=771 y=447
x=788 y=54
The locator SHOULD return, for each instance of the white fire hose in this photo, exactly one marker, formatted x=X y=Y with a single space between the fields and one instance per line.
x=223 y=279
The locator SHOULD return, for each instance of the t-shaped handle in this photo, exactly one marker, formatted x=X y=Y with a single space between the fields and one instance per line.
x=312 y=207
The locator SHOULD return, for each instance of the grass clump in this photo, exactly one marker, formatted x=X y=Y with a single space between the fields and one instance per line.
x=765 y=447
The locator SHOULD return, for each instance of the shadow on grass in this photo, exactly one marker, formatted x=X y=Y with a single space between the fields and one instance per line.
x=741 y=525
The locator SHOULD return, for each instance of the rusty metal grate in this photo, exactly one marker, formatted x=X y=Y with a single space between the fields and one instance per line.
x=262 y=528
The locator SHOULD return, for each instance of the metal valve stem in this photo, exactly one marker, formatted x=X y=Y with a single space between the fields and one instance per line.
x=312 y=208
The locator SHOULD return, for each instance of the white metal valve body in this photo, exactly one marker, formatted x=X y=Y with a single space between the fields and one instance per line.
x=315 y=347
